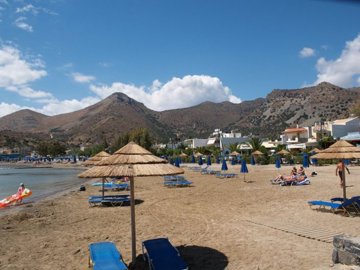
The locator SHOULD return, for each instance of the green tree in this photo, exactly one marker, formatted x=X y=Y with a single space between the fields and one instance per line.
x=141 y=136
x=325 y=142
x=255 y=143
x=356 y=108
x=42 y=149
x=56 y=149
x=233 y=147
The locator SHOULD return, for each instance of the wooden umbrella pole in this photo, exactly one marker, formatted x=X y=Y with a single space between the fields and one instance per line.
x=343 y=179
x=133 y=230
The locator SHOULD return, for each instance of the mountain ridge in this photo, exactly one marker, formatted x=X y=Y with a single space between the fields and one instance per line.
x=118 y=114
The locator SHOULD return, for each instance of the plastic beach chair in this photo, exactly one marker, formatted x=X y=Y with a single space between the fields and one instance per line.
x=105 y=256
x=348 y=206
x=162 y=255
x=108 y=200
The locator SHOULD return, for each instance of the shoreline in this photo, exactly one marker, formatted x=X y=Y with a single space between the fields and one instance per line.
x=216 y=224
x=21 y=164
x=30 y=202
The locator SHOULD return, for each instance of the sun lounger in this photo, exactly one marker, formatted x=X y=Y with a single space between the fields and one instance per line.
x=209 y=172
x=108 y=200
x=109 y=196
x=180 y=183
x=105 y=256
x=226 y=175
x=112 y=185
x=174 y=177
x=347 y=207
x=295 y=183
x=162 y=255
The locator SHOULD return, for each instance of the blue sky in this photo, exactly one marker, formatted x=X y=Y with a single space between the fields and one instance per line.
x=57 y=56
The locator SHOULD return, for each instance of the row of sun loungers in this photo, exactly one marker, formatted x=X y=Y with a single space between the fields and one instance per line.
x=159 y=253
x=349 y=206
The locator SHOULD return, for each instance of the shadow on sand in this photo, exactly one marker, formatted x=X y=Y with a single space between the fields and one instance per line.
x=197 y=258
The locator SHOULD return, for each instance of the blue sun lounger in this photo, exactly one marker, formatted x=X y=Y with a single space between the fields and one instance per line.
x=181 y=183
x=105 y=256
x=348 y=206
x=109 y=201
x=162 y=255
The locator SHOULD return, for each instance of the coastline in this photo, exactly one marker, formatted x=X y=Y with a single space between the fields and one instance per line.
x=30 y=202
x=216 y=223
x=22 y=164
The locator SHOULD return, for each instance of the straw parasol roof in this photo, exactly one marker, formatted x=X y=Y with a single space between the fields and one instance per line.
x=234 y=153
x=340 y=150
x=257 y=152
x=283 y=152
x=98 y=157
x=316 y=150
x=198 y=154
x=183 y=154
x=132 y=160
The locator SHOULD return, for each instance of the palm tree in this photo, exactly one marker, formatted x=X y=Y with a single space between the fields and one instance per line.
x=255 y=143
x=233 y=147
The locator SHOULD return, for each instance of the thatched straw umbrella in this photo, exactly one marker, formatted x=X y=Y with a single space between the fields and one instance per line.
x=234 y=153
x=283 y=152
x=198 y=154
x=132 y=160
x=340 y=150
x=316 y=150
x=95 y=159
x=98 y=157
x=183 y=154
x=257 y=153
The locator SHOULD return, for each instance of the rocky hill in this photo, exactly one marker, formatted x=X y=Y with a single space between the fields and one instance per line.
x=118 y=114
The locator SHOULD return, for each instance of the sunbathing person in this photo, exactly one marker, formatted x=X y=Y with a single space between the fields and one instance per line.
x=292 y=176
x=301 y=175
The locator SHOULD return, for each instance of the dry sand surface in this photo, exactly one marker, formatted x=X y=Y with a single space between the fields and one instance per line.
x=216 y=224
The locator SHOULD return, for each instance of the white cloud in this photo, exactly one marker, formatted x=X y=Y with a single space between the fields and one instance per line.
x=177 y=93
x=16 y=71
x=20 y=23
x=344 y=70
x=55 y=106
x=306 y=52
x=34 y=10
x=26 y=91
x=52 y=106
x=28 y=8
x=81 y=78
x=6 y=108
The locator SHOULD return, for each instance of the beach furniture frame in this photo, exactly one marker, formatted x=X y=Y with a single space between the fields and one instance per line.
x=105 y=256
x=162 y=255
x=115 y=200
x=226 y=175
x=348 y=206
x=176 y=181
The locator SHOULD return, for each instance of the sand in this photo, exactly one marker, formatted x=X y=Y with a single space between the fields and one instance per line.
x=216 y=223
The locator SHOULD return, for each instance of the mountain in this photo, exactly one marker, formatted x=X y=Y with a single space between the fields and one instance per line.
x=118 y=114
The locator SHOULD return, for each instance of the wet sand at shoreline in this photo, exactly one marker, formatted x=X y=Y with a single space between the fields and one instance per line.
x=216 y=224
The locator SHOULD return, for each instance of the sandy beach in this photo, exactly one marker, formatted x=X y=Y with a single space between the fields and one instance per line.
x=216 y=224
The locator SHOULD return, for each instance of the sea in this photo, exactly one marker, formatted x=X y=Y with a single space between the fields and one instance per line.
x=43 y=182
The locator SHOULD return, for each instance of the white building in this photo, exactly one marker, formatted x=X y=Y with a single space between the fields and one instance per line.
x=195 y=143
x=223 y=140
x=342 y=127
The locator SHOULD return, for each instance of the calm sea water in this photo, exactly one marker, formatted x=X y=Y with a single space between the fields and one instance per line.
x=42 y=181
